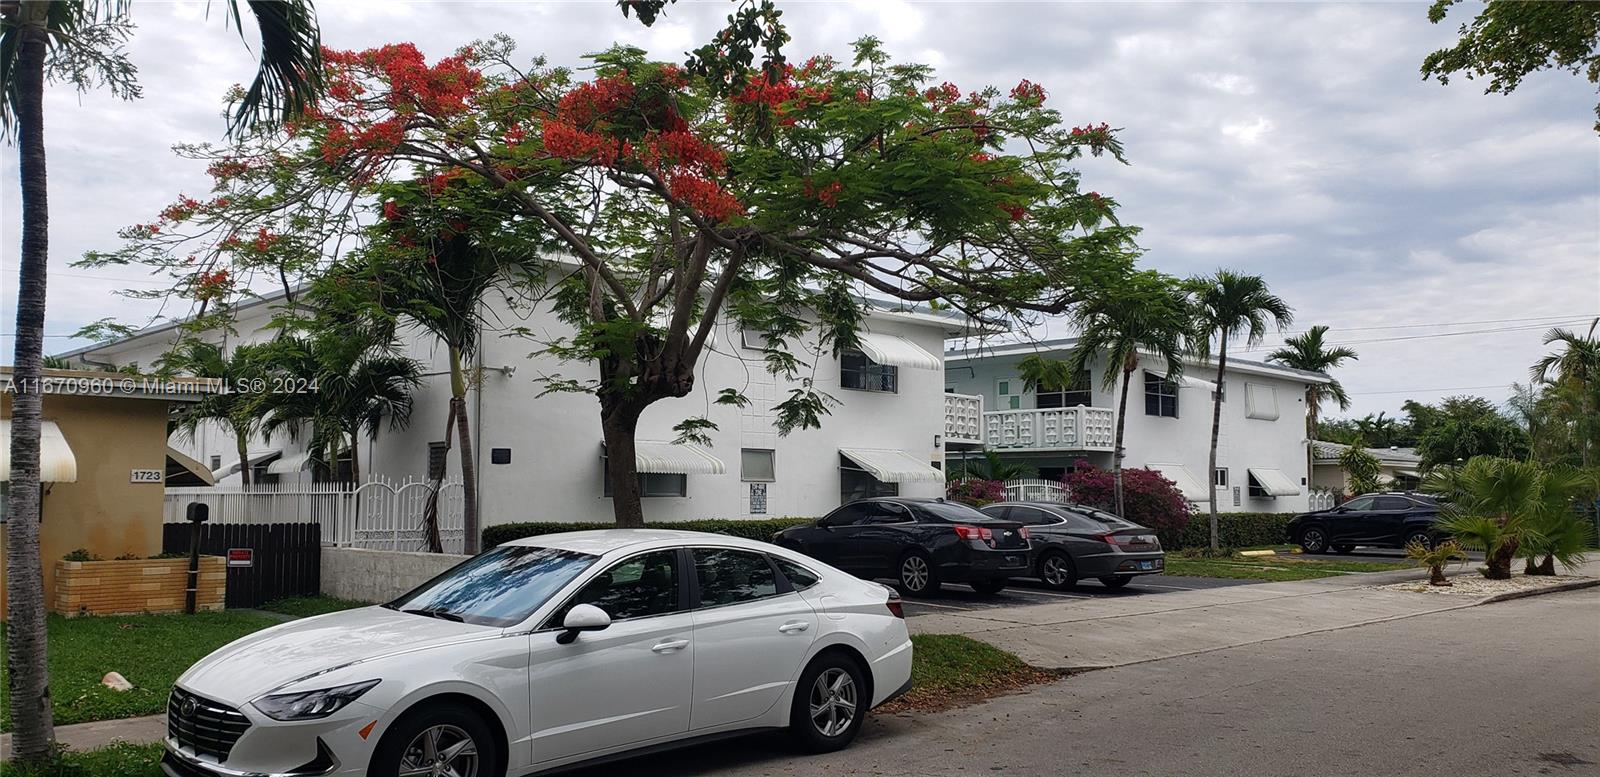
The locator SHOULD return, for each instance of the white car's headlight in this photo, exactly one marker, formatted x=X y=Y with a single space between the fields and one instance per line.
x=310 y=705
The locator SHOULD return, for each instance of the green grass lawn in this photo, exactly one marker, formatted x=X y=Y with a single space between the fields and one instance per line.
x=117 y=760
x=150 y=650
x=307 y=606
x=1272 y=568
x=948 y=668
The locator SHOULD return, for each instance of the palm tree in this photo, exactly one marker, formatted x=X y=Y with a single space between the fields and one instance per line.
x=239 y=407
x=1576 y=370
x=1509 y=508
x=1307 y=352
x=1141 y=314
x=1380 y=429
x=357 y=381
x=1228 y=304
x=85 y=39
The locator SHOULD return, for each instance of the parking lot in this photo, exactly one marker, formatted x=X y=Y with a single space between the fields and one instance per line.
x=957 y=596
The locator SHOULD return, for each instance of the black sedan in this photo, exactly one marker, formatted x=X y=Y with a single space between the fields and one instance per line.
x=1387 y=520
x=918 y=543
x=1072 y=542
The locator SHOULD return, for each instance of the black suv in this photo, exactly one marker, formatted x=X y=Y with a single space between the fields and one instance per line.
x=1387 y=520
x=918 y=543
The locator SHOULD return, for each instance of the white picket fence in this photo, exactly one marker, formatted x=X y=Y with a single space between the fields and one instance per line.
x=1035 y=490
x=380 y=513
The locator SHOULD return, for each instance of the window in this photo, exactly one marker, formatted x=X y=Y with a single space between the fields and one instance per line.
x=1358 y=504
x=1160 y=396
x=887 y=512
x=733 y=576
x=1009 y=394
x=753 y=339
x=849 y=515
x=1031 y=516
x=1392 y=503
x=756 y=464
x=216 y=463
x=799 y=577
x=639 y=587
x=500 y=587
x=1053 y=474
x=858 y=372
x=856 y=483
x=1219 y=478
x=659 y=484
x=437 y=453
x=1066 y=396
x=1260 y=402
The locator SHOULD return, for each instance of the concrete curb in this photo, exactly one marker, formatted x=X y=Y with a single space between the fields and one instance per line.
x=1554 y=589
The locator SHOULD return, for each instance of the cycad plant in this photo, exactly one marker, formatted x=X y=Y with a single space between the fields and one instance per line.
x=1507 y=508
x=1436 y=558
x=1558 y=533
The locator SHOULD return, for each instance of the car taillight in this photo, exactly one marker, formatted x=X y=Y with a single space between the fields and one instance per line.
x=1129 y=539
x=896 y=606
x=974 y=533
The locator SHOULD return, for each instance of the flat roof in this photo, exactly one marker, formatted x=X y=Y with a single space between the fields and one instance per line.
x=982 y=351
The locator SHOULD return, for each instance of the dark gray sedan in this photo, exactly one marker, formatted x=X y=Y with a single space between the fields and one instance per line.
x=1072 y=542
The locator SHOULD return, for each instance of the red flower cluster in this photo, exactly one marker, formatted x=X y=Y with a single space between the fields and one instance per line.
x=942 y=95
x=441 y=90
x=1028 y=92
x=391 y=210
x=704 y=196
x=591 y=102
x=1090 y=133
x=564 y=141
x=1015 y=211
x=781 y=95
x=210 y=285
x=265 y=239
x=226 y=168
x=180 y=210
x=829 y=195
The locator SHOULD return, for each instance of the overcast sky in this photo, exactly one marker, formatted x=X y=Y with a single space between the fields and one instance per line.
x=1437 y=229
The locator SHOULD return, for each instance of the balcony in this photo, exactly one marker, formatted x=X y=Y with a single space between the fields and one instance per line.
x=1056 y=429
x=963 y=419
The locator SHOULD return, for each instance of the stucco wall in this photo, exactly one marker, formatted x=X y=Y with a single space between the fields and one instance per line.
x=102 y=512
x=379 y=575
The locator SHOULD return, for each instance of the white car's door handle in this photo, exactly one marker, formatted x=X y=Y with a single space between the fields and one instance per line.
x=794 y=627
x=670 y=645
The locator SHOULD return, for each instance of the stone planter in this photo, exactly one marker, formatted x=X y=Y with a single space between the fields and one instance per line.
x=136 y=586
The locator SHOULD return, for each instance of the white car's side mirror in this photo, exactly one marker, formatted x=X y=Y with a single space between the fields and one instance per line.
x=581 y=618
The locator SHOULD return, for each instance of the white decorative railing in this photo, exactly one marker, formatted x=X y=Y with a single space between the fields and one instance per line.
x=379 y=513
x=1035 y=490
x=963 y=419
x=1066 y=428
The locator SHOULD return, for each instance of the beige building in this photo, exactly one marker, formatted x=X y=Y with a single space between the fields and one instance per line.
x=1398 y=468
x=104 y=460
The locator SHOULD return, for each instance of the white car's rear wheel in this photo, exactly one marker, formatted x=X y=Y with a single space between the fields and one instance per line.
x=447 y=740
x=829 y=704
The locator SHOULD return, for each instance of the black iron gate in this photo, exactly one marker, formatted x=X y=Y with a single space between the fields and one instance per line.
x=286 y=558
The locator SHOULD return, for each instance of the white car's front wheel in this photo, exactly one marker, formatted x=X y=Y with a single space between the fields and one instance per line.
x=443 y=740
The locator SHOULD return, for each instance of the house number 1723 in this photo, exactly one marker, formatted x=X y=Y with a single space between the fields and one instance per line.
x=147 y=476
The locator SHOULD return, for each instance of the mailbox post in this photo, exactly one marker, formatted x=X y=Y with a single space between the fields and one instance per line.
x=197 y=514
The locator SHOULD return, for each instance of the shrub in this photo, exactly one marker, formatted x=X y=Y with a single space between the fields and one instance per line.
x=975 y=492
x=81 y=554
x=748 y=529
x=1235 y=530
x=1148 y=499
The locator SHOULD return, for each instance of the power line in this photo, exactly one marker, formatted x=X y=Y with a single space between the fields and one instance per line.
x=1493 y=330
x=1427 y=391
x=1455 y=323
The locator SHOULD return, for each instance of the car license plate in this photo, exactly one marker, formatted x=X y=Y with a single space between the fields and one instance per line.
x=1012 y=561
x=1147 y=565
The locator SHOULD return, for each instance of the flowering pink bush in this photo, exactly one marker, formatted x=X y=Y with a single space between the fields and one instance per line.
x=1148 y=499
x=975 y=492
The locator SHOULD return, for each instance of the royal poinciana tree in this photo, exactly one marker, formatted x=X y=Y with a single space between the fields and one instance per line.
x=781 y=198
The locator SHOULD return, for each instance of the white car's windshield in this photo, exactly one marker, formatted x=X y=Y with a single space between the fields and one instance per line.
x=499 y=588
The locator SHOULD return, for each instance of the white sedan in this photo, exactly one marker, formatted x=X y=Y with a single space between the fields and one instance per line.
x=547 y=652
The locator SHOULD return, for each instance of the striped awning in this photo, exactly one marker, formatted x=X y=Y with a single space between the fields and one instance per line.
x=1184 y=381
x=183 y=470
x=897 y=351
x=1274 y=482
x=1190 y=486
x=892 y=466
x=56 y=462
x=675 y=459
x=255 y=457
x=289 y=465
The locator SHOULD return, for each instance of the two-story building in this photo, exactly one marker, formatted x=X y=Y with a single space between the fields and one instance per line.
x=1262 y=458
x=539 y=457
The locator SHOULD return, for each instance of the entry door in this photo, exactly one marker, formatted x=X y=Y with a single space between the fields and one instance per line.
x=629 y=683
x=751 y=635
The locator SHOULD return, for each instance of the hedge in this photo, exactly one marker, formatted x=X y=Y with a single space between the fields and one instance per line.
x=752 y=529
x=1234 y=530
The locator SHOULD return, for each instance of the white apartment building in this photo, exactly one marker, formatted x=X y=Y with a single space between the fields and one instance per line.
x=1261 y=451
x=539 y=457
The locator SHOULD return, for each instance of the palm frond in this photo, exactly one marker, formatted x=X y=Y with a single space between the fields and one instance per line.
x=289 y=78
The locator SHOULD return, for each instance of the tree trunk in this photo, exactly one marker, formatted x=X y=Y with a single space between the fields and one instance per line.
x=619 y=423
x=469 y=473
x=1117 y=453
x=242 y=442
x=1497 y=561
x=1216 y=431
x=355 y=458
x=1311 y=433
x=1546 y=566
x=33 y=728
x=1436 y=575
x=430 y=515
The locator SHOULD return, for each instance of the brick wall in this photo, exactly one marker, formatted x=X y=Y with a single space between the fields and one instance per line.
x=136 y=586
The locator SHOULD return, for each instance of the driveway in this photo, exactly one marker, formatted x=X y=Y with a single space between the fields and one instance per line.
x=1503 y=689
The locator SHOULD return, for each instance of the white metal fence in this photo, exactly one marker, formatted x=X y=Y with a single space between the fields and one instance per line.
x=380 y=513
x=1322 y=499
x=1035 y=490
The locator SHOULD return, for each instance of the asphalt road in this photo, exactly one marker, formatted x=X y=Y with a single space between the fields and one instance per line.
x=1504 y=689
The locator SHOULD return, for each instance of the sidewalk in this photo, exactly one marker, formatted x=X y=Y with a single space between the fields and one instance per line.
x=89 y=736
x=1100 y=633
